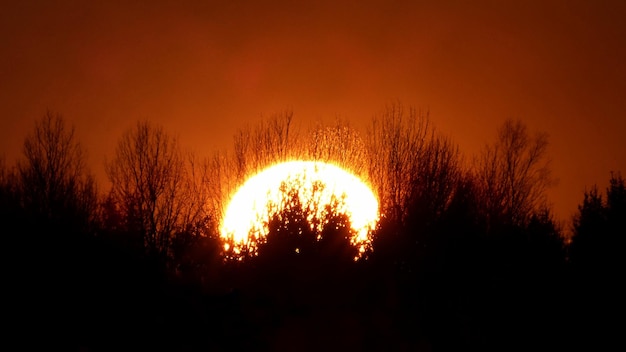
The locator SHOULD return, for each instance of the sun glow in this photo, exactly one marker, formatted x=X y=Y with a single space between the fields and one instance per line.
x=317 y=187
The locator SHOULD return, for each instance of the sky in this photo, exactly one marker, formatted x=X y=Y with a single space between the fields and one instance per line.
x=204 y=69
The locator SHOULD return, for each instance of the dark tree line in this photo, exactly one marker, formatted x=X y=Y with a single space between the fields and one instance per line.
x=467 y=254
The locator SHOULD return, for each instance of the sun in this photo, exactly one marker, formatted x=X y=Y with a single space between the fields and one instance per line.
x=317 y=185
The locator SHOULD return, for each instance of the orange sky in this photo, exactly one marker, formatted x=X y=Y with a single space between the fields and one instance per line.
x=203 y=69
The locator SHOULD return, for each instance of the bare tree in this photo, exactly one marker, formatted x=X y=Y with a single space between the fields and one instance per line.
x=148 y=181
x=9 y=196
x=7 y=177
x=255 y=148
x=395 y=143
x=221 y=182
x=268 y=142
x=514 y=173
x=54 y=183
x=339 y=144
x=436 y=177
x=195 y=193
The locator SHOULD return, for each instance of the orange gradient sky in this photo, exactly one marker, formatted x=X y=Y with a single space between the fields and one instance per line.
x=204 y=69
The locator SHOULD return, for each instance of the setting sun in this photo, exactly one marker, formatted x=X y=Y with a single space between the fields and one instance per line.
x=317 y=184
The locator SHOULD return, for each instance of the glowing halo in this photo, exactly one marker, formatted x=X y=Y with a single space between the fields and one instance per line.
x=247 y=215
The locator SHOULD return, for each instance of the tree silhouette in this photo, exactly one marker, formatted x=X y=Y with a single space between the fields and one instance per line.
x=48 y=203
x=434 y=181
x=301 y=227
x=513 y=174
x=395 y=142
x=339 y=144
x=599 y=228
x=10 y=209
x=596 y=255
x=616 y=207
x=463 y=258
x=268 y=142
x=54 y=185
x=416 y=173
x=147 y=176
